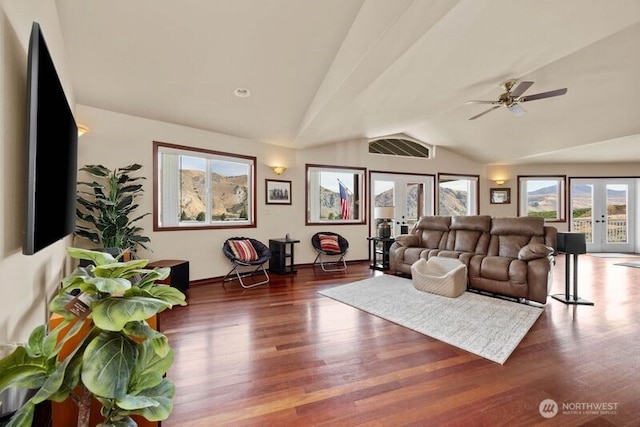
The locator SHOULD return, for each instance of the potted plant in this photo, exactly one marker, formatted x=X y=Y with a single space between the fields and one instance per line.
x=106 y=206
x=112 y=353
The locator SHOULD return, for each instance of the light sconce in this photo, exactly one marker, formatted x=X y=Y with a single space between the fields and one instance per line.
x=384 y=213
x=82 y=129
x=499 y=181
x=278 y=170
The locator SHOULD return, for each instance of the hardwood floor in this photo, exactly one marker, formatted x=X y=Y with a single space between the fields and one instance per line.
x=283 y=355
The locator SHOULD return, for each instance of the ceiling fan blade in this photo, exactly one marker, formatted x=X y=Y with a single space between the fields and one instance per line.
x=520 y=89
x=483 y=102
x=543 y=95
x=484 y=112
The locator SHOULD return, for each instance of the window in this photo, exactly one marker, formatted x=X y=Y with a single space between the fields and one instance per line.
x=198 y=188
x=335 y=195
x=542 y=196
x=457 y=194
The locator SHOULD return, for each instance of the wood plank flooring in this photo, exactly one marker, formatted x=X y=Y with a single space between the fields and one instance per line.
x=283 y=355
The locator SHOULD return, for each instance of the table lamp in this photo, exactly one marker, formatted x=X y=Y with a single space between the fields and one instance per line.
x=383 y=214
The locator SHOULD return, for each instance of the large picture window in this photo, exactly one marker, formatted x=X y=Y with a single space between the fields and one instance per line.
x=335 y=195
x=542 y=196
x=458 y=194
x=197 y=188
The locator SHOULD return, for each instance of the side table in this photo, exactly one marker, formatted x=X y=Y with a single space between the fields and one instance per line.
x=379 y=252
x=282 y=259
x=179 y=276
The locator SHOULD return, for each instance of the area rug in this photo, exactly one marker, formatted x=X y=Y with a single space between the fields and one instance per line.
x=489 y=327
x=635 y=264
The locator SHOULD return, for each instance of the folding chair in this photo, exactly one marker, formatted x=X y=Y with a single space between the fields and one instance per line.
x=248 y=257
x=331 y=248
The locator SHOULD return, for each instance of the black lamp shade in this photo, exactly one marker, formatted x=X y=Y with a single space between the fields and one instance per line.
x=572 y=243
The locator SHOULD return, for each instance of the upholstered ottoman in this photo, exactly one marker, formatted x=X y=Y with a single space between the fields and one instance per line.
x=440 y=275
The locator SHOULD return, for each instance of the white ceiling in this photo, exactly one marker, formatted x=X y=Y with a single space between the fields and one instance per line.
x=333 y=70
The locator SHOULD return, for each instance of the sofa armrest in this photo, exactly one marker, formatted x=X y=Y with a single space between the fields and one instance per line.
x=408 y=240
x=535 y=251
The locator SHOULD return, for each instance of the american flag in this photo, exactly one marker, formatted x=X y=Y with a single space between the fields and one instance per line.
x=344 y=202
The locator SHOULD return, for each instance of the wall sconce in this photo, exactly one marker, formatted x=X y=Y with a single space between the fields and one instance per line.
x=82 y=129
x=278 y=170
x=499 y=181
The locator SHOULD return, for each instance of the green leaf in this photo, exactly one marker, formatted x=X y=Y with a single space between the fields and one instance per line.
x=21 y=370
x=168 y=294
x=24 y=416
x=96 y=170
x=98 y=258
x=117 y=269
x=58 y=303
x=123 y=422
x=34 y=343
x=108 y=363
x=163 y=395
x=141 y=329
x=150 y=368
x=112 y=313
x=53 y=383
x=106 y=285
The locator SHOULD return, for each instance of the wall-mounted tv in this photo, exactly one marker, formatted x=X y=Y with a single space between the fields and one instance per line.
x=52 y=152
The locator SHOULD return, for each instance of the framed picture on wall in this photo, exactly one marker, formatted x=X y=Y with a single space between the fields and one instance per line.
x=278 y=192
x=500 y=196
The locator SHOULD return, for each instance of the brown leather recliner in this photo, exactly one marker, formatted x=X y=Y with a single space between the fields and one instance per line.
x=504 y=256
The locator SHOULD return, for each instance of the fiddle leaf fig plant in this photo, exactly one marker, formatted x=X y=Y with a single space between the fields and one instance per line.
x=115 y=357
x=106 y=207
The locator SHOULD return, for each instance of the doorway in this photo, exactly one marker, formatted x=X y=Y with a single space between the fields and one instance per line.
x=411 y=196
x=604 y=209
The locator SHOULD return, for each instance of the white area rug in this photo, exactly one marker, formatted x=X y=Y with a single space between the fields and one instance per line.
x=489 y=327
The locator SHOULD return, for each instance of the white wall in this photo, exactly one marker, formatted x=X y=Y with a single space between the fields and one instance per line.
x=510 y=175
x=116 y=140
x=26 y=282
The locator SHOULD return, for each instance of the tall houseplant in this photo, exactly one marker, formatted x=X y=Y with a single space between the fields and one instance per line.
x=106 y=208
x=115 y=356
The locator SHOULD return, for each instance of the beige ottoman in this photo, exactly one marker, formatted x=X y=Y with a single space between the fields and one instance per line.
x=440 y=275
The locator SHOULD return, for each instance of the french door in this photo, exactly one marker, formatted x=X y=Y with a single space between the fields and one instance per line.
x=604 y=209
x=410 y=195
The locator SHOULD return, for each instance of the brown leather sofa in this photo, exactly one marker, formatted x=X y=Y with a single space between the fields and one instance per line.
x=512 y=257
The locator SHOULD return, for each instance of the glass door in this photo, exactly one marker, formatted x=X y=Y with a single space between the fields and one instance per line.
x=603 y=209
x=411 y=197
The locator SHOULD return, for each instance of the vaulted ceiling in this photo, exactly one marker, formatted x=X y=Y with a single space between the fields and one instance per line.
x=333 y=70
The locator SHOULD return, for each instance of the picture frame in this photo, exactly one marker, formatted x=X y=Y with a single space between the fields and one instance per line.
x=500 y=196
x=277 y=192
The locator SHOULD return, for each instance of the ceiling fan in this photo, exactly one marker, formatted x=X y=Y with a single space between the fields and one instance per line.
x=512 y=98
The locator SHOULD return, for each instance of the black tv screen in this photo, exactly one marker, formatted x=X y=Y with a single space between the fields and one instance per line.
x=52 y=152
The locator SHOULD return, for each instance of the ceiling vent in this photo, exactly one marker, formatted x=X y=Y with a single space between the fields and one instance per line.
x=400 y=145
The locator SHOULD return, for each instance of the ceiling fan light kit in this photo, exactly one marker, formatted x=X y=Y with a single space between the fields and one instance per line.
x=512 y=97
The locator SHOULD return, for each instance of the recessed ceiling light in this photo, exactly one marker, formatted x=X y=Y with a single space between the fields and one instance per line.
x=242 y=92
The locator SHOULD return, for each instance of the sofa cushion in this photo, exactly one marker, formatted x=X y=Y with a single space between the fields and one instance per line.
x=534 y=251
x=433 y=231
x=469 y=234
x=408 y=240
x=329 y=243
x=503 y=269
x=473 y=222
x=522 y=226
x=243 y=250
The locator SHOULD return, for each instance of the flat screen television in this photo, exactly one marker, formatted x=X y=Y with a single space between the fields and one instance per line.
x=52 y=152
